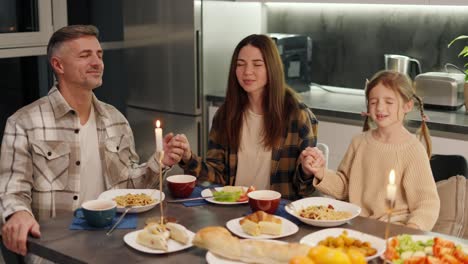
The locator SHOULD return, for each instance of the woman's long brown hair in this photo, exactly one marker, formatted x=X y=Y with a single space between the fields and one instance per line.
x=279 y=100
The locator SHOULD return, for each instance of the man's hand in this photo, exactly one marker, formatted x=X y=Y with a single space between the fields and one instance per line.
x=16 y=229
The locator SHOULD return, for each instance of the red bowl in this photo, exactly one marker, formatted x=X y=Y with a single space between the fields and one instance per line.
x=181 y=186
x=264 y=200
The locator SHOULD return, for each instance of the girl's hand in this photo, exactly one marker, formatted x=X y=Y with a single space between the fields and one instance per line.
x=313 y=162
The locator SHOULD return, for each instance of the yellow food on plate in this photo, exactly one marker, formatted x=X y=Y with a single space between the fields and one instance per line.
x=322 y=212
x=301 y=260
x=326 y=255
x=261 y=223
x=129 y=199
x=345 y=242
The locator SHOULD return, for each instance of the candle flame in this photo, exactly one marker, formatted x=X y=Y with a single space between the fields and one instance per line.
x=158 y=124
x=391 y=177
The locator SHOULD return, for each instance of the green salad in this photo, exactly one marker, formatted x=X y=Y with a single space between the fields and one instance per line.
x=222 y=196
x=407 y=247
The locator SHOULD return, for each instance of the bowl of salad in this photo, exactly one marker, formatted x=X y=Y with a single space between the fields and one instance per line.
x=424 y=249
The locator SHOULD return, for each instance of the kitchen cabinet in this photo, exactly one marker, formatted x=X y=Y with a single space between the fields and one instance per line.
x=448 y=2
x=393 y=2
x=338 y=136
x=29 y=23
x=390 y=2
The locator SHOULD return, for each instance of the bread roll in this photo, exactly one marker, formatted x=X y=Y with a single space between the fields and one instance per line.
x=219 y=241
x=178 y=232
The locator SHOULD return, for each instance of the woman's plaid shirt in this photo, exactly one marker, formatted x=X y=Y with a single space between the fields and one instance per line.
x=287 y=176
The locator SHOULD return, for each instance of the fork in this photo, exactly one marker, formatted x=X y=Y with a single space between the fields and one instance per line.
x=292 y=207
x=127 y=208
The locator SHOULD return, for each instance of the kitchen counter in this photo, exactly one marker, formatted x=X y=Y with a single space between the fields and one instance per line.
x=343 y=105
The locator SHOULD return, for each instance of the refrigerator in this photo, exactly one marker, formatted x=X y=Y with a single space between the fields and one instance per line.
x=163 y=62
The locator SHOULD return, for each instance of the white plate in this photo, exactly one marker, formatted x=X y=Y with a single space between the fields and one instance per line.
x=110 y=194
x=207 y=192
x=172 y=245
x=338 y=205
x=289 y=228
x=314 y=238
x=215 y=259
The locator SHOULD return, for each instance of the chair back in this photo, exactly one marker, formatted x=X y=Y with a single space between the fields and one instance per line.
x=445 y=166
x=325 y=150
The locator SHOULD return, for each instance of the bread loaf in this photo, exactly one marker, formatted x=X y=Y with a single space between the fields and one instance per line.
x=219 y=241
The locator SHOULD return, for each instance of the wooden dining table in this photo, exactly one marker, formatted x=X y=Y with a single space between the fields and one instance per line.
x=61 y=245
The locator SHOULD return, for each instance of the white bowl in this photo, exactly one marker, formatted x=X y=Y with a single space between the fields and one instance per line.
x=155 y=194
x=315 y=201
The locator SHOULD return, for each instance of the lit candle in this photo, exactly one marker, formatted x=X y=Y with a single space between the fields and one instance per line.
x=391 y=187
x=159 y=139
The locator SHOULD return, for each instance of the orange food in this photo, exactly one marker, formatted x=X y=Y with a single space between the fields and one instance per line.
x=301 y=260
x=356 y=256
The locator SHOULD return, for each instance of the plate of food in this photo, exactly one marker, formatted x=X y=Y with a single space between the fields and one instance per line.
x=261 y=225
x=157 y=239
x=322 y=211
x=141 y=200
x=227 y=195
x=370 y=246
x=424 y=249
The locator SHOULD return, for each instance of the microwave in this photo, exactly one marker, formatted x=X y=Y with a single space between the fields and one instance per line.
x=296 y=54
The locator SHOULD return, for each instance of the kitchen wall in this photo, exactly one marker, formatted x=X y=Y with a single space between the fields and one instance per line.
x=350 y=40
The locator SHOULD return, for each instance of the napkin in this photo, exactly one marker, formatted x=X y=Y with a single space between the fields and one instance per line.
x=282 y=212
x=128 y=222
x=197 y=193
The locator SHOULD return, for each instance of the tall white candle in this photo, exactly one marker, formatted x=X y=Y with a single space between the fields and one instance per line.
x=159 y=139
x=391 y=187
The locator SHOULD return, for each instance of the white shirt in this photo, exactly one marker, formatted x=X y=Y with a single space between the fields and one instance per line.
x=254 y=162
x=91 y=178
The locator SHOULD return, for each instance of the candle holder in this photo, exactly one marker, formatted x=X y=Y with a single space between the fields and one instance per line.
x=390 y=207
x=162 y=203
x=161 y=209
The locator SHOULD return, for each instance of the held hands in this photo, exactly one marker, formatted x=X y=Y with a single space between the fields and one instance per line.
x=175 y=148
x=15 y=231
x=313 y=162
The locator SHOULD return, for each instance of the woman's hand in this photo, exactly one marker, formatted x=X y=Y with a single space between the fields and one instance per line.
x=174 y=148
x=313 y=162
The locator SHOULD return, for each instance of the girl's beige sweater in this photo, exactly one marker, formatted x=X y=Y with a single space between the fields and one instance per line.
x=362 y=177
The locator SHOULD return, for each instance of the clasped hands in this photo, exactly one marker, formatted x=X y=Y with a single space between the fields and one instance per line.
x=313 y=162
x=176 y=148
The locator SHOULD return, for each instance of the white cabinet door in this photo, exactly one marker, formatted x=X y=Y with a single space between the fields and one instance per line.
x=448 y=2
x=393 y=2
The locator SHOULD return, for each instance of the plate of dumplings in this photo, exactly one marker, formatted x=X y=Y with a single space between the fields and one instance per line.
x=158 y=239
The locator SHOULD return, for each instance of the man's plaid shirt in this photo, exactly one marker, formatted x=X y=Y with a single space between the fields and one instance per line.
x=286 y=177
x=40 y=157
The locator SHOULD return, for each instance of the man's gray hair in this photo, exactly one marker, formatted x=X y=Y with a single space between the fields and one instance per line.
x=69 y=33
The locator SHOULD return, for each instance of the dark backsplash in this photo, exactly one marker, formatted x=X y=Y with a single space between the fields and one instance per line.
x=349 y=41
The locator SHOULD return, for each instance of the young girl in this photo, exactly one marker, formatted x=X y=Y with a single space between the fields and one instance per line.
x=374 y=153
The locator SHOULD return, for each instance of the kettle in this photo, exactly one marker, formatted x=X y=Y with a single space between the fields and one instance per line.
x=401 y=63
